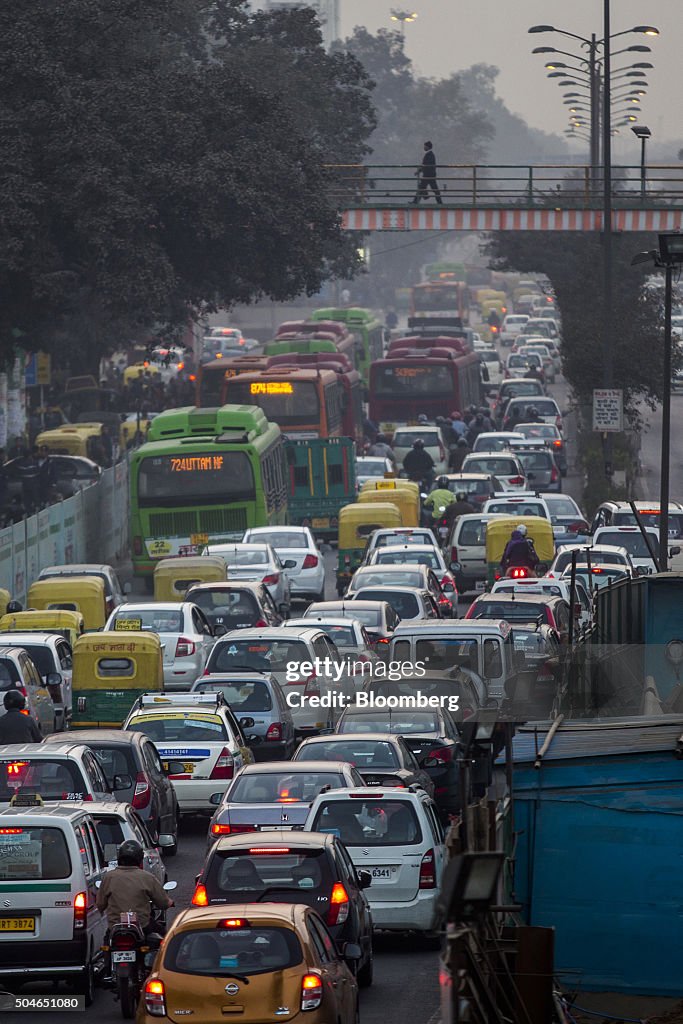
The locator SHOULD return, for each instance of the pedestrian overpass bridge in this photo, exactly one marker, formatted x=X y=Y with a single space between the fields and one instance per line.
x=509 y=197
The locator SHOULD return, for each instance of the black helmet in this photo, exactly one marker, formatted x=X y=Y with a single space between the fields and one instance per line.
x=462 y=442
x=461 y=496
x=130 y=853
x=14 y=700
x=442 y=482
x=13 y=607
x=418 y=443
x=532 y=411
x=380 y=439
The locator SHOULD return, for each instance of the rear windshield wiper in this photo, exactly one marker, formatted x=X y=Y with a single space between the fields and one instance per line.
x=278 y=888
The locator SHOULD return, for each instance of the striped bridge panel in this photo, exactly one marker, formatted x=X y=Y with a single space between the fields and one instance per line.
x=437 y=218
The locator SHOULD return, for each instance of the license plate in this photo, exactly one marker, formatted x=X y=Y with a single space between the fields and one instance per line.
x=320 y=522
x=126 y=956
x=17 y=924
x=199 y=540
x=479 y=585
x=382 y=872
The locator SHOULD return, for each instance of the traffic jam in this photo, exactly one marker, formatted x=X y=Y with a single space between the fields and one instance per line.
x=354 y=556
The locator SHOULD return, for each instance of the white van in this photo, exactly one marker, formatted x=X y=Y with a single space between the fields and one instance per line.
x=399 y=840
x=466 y=551
x=50 y=929
x=18 y=672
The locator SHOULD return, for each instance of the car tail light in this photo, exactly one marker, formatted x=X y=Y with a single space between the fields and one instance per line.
x=274 y=733
x=201 y=896
x=260 y=623
x=557 y=444
x=20 y=688
x=143 y=792
x=137 y=545
x=271 y=579
x=310 y=562
x=454 y=553
x=123 y=940
x=520 y=572
x=443 y=754
x=516 y=479
x=427 y=872
x=155 y=998
x=312 y=687
x=231 y=830
x=184 y=647
x=382 y=640
x=311 y=992
x=554 y=475
x=225 y=765
x=339 y=905
x=80 y=911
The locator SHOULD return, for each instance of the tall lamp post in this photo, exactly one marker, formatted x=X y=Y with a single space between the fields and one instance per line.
x=642 y=133
x=403 y=17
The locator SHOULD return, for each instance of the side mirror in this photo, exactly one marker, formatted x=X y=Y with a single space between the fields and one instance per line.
x=128 y=588
x=174 y=768
x=220 y=630
x=429 y=762
x=122 y=782
x=352 y=951
x=448 y=588
x=290 y=563
x=166 y=840
x=54 y=679
x=364 y=879
x=215 y=799
x=454 y=566
x=247 y=723
x=641 y=570
x=674 y=551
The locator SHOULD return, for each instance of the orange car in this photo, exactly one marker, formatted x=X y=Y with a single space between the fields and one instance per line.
x=258 y=961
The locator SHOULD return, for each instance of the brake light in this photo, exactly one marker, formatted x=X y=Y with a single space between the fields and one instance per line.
x=268 y=849
x=231 y=830
x=519 y=573
x=123 y=940
x=11 y=831
x=184 y=647
x=233 y=922
x=339 y=905
x=311 y=992
x=80 y=910
x=137 y=546
x=201 y=896
x=271 y=579
x=274 y=733
x=143 y=792
x=365 y=796
x=312 y=687
x=382 y=640
x=155 y=998
x=427 y=872
x=310 y=562
x=15 y=768
x=554 y=475
x=260 y=623
x=557 y=444
x=454 y=554
x=443 y=754
x=225 y=765
x=516 y=479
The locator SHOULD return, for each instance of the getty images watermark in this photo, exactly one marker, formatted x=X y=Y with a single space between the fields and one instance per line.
x=338 y=677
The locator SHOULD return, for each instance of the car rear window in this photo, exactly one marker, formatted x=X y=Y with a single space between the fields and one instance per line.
x=428 y=558
x=287 y=540
x=114 y=761
x=634 y=543
x=502 y=467
x=400 y=722
x=651 y=519
x=257 y=655
x=230 y=605
x=222 y=952
x=419 y=537
x=517 y=508
x=342 y=636
x=157 y=620
x=58 y=779
x=41 y=656
x=512 y=611
x=360 y=753
x=180 y=727
x=33 y=853
x=405 y=605
x=9 y=674
x=283 y=787
x=372 y=822
x=472 y=532
x=110 y=834
x=400 y=577
x=247 y=876
x=370 y=468
x=535 y=460
x=249 y=695
x=404 y=440
x=248 y=557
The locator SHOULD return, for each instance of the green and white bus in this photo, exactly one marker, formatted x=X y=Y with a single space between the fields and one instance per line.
x=204 y=476
x=366 y=329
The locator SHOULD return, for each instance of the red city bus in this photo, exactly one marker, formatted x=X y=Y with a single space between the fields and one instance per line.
x=304 y=402
x=458 y=345
x=350 y=380
x=432 y=381
x=211 y=377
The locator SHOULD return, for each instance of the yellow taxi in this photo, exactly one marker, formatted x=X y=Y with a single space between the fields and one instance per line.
x=254 y=962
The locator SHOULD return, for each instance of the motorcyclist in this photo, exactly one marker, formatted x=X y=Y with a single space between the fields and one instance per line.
x=519 y=551
x=460 y=507
x=477 y=427
x=16 y=725
x=532 y=415
x=381 y=449
x=422 y=420
x=129 y=888
x=440 y=498
x=458 y=455
x=458 y=425
x=418 y=463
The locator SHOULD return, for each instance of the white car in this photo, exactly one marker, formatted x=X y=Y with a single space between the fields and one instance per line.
x=558 y=587
x=388 y=536
x=599 y=554
x=405 y=437
x=307 y=576
x=397 y=838
x=529 y=504
x=200 y=744
x=183 y=629
x=505 y=466
x=371 y=467
x=631 y=538
x=496 y=440
x=518 y=364
x=547 y=409
x=491 y=360
x=513 y=324
x=422 y=554
x=258 y=563
x=547 y=360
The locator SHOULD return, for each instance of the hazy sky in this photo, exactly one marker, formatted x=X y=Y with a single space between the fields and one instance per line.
x=453 y=34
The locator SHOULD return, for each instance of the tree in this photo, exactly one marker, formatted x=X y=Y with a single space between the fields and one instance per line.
x=150 y=168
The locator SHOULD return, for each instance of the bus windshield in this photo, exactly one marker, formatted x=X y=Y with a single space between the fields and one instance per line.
x=197 y=478
x=288 y=403
x=407 y=378
x=436 y=298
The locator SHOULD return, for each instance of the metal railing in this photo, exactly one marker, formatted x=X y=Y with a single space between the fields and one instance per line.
x=565 y=186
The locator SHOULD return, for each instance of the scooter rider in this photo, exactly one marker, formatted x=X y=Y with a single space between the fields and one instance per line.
x=519 y=551
x=15 y=725
x=440 y=498
x=418 y=463
x=460 y=507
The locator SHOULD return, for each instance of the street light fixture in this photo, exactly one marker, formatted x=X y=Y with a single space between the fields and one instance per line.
x=403 y=17
x=643 y=133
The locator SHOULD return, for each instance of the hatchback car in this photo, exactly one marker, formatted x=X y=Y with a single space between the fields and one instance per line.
x=596 y=576
x=398 y=838
x=520 y=409
x=495 y=440
x=538 y=465
x=504 y=466
x=518 y=505
x=407 y=602
x=382 y=759
x=114 y=590
x=259 y=697
x=56 y=771
x=297 y=544
x=234 y=605
x=267 y=796
x=389 y=536
x=258 y=563
x=372 y=467
x=554 y=611
x=378 y=617
x=632 y=539
x=200 y=743
x=285 y=952
x=307 y=868
x=183 y=630
x=566 y=516
x=18 y=672
x=133 y=756
x=518 y=364
x=601 y=554
x=547 y=359
x=519 y=388
x=405 y=574
x=405 y=437
x=477 y=487
x=421 y=554
x=551 y=435
x=117 y=822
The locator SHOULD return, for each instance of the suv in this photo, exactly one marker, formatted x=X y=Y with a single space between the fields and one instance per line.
x=18 y=672
x=619 y=513
x=150 y=793
x=57 y=771
x=538 y=464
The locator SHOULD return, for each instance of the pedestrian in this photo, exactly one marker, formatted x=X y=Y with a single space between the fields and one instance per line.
x=426 y=174
x=458 y=425
x=16 y=726
x=381 y=449
x=477 y=427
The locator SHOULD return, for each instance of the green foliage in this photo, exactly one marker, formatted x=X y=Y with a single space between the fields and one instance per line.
x=598 y=487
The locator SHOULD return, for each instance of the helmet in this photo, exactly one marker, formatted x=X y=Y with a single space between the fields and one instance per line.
x=442 y=482
x=14 y=700
x=461 y=496
x=455 y=415
x=380 y=439
x=130 y=853
x=522 y=529
x=422 y=418
x=532 y=411
x=462 y=442
x=418 y=443
x=13 y=607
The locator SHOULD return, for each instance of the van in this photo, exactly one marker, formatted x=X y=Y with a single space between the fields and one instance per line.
x=482 y=646
x=50 y=929
x=18 y=672
x=467 y=549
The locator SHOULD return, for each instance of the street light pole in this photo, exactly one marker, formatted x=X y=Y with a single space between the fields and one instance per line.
x=643 y=133
x=608 y=350
x=595 y=109
x=666 y=423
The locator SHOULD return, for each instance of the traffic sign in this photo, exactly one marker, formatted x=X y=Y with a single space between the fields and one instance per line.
x=608 y=410
x=38 y=370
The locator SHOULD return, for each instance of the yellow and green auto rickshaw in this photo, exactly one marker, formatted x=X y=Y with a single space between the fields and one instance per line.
x=406 y=500
x=356 y=522
x=174 y=576
x=84 y=594
x=498 y=533
x=389 y=484
x=70 y=625
x=110 y=671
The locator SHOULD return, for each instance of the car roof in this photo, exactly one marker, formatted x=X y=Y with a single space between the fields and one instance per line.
x=64 y=811
x=247 y=676
x=367 y=569
x=14 y=636
x=344 y=737
x=277 y=529
x=516 y=598
x=289 y=915
x=418 y=429
x=108 y=736
x=74 y=568
x=451 y=628
x=37 y=750
x=413 y=548
x=272 y=633
x=225 y=584
x=325 y=620
x=288 y=767
x=274 y=837
x=415 y=796
x=165 y=606
x=394 y=588
x=625 y=529
x=239 y=546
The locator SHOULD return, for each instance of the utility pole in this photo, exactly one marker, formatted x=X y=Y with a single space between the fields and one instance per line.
x=607 y=340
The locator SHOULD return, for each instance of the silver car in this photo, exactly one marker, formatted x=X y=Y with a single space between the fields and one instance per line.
x=183 y=630
x=258 y=563
x=257 y=696
x=117 y=822
x=307 y=576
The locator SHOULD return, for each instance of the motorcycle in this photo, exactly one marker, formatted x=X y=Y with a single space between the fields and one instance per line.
x=441 y=527
x=520 y=572
x=132 y=955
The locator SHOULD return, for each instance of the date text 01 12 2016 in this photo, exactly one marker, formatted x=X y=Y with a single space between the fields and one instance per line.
x=53 y=1003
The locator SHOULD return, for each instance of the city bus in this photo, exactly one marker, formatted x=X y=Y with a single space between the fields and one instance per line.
x=203 y=477
x=352 y=386
x=303 y=401
x=441 y=299
x=365 y=328
x=445 y=271
x=322 y=480
x=309 y=343
x=212 y=376
x=432 y=382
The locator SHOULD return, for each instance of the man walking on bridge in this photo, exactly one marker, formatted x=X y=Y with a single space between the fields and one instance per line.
x=427 y=175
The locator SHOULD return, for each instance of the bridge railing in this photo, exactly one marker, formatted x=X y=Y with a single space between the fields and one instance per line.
x=506 y=185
